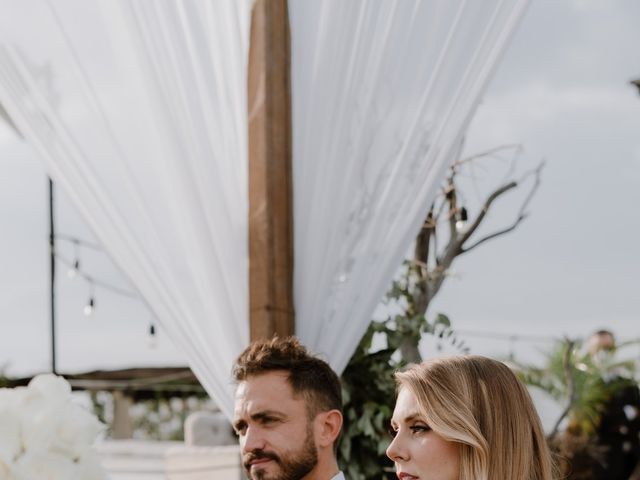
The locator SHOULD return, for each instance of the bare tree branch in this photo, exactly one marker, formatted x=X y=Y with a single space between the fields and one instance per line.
x=433 y=264
x=423 y=244
x=483 y=212
x=522 y=214
x=419 y=263
x=435 y=244
x=451 y=198
x=495 y=234
x=436 y=216
x=487 y=153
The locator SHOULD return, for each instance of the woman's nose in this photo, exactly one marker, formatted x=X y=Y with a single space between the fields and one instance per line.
x=395 y=451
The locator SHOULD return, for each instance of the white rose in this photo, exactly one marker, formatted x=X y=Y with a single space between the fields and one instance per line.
x=40 y=418
x=10 y=426
x=75 y=430
x=44 y=435
x=43 y=465
x=56 y=389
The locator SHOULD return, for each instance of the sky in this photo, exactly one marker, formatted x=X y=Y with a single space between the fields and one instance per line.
x=562 y=92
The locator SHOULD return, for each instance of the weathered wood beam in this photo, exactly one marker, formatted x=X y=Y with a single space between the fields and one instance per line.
x=270 y=187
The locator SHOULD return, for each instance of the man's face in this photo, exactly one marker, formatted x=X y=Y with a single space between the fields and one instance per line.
x=602 y=344
x=276 y=435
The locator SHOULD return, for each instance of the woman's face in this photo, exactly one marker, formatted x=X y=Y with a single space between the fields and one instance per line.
x=418 y=451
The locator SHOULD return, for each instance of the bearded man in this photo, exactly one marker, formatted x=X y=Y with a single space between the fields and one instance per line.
x=288 y=412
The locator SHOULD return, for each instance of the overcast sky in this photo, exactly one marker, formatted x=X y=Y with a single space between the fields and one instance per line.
x=562 y=92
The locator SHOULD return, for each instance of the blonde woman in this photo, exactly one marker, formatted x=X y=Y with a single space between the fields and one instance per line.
x=466 y=418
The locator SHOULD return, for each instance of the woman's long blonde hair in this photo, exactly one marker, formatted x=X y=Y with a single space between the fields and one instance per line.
x=479 y=403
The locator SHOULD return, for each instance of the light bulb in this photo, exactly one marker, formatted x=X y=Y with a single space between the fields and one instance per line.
x=152 y=341
x=73 y=272
x=463 y=216
x=89 y=307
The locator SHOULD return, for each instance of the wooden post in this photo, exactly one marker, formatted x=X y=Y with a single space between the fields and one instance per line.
x=122 y=424
x=270 y=188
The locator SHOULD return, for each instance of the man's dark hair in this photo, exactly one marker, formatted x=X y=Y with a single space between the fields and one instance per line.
x=308 y=375
x=603 y=332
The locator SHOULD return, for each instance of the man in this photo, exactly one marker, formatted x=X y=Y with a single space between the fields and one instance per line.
x=601 y=343
x=619 y=425
x=287 y=412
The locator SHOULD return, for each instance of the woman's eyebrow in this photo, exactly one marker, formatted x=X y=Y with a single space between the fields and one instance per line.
x=412 y=417
x=409 y=418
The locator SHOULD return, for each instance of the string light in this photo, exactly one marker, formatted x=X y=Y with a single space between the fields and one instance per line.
x=91 y=303
x=153 y=341
x=73 y=271
x=79 y=272
x=461 y=221
x=89 y=307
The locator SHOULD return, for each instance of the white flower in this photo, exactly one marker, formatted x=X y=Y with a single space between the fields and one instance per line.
x=43 y=465
x=75 y=429
x=10 y=428
x=57 y=389
x=44 y=435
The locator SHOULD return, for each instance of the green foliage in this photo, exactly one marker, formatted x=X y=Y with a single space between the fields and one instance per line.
x=573 y=378
x=159 y=418
x=583 y=385
x=99 y=401
x=368 y=391
x=368 y=386
x=5 y=381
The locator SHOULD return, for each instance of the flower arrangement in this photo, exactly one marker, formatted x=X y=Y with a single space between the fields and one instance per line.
x=44 y=435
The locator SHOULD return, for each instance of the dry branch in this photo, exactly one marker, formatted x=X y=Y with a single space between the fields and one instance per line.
x=522 y=213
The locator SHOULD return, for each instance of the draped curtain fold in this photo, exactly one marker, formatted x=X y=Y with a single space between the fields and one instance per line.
x=139 y=110
x=382 y=93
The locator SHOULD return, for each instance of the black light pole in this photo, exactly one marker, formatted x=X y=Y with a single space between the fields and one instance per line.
x=52 y=244
x=52 y=256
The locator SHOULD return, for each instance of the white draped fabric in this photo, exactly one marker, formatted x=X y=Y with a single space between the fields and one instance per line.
x=382 y=93
x=139 y=111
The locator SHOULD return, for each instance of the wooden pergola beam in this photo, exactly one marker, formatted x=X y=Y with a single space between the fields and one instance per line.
x=270 y=184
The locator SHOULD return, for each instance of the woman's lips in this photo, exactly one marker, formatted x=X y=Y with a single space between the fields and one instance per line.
x=406 y=476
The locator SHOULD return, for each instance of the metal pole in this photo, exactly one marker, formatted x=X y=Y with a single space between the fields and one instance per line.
x=52 y=256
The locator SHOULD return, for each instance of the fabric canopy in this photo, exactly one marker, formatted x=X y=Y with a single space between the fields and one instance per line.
x=139 y=112
x=382 y=94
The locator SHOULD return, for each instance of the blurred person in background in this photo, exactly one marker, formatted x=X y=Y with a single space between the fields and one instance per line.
x=619 y=428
